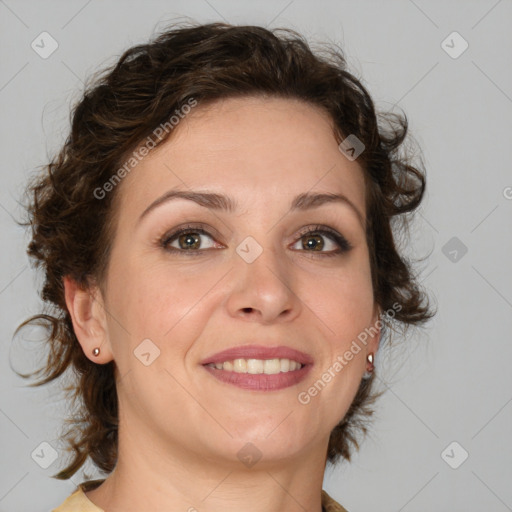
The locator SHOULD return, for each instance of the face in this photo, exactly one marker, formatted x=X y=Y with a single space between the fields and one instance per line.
x=189 y=279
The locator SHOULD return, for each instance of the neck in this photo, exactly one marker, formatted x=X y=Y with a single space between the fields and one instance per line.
x=161 y=478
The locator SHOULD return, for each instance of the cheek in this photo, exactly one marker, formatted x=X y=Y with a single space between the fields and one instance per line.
x=159 y=302
x=342 y=321
x=343 y=301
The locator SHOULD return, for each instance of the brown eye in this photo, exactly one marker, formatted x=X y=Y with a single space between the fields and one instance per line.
x=324 y=241
x=188 y=240
x=314 y=242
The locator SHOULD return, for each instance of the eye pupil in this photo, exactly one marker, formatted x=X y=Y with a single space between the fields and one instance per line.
x=314 y=242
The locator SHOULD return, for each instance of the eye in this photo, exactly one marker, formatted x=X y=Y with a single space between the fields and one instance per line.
x=323 y=240
x=195 y=240
x=188 y=239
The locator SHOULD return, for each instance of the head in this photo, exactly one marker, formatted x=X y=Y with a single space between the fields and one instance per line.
x=254 y=119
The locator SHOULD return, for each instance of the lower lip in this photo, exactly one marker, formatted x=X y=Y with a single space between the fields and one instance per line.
x=260 y=381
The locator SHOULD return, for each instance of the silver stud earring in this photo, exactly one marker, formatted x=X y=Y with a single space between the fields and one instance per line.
x=370 y=368
x=96 y=351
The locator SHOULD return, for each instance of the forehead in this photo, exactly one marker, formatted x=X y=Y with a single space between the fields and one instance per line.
x=260 y=150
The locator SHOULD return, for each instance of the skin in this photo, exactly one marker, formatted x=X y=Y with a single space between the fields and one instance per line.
x=180 y=428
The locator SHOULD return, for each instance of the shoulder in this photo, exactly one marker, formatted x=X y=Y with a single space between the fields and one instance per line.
x=330 y=505
x=78 y=501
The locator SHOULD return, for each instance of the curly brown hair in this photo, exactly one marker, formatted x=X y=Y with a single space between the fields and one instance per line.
x=72 y=229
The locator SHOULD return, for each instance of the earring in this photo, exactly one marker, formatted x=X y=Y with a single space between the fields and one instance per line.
x=369 y=369
x=96 y=351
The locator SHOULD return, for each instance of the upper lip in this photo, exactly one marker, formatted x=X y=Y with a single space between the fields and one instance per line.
x=259 y=352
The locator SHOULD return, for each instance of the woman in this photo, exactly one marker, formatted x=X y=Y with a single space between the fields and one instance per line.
x=218 y=255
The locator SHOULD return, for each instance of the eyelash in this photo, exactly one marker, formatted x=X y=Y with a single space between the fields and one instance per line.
x=340 y=240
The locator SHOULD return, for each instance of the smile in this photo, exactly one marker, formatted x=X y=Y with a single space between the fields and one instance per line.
x=259 y=374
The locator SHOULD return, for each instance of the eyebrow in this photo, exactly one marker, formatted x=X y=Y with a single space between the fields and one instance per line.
x=220 y=202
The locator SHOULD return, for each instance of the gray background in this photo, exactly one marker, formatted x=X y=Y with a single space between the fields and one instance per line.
x=448 y=383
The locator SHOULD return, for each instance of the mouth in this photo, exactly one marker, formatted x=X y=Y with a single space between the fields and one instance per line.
x=259 y=368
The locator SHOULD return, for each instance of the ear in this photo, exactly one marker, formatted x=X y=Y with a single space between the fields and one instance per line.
x=88 y=314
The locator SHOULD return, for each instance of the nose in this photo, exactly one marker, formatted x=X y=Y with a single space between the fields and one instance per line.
x=263 y=289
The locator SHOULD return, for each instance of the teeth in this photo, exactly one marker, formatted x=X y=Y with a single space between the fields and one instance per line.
x=272 y=366
x=228 y=365
x=240 y=366
x=255 y=366
x=258 y=366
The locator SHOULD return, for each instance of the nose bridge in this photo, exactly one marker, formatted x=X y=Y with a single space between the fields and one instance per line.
x=263 y=281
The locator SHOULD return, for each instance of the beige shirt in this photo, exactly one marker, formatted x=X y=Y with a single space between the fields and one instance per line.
x=78 y=501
